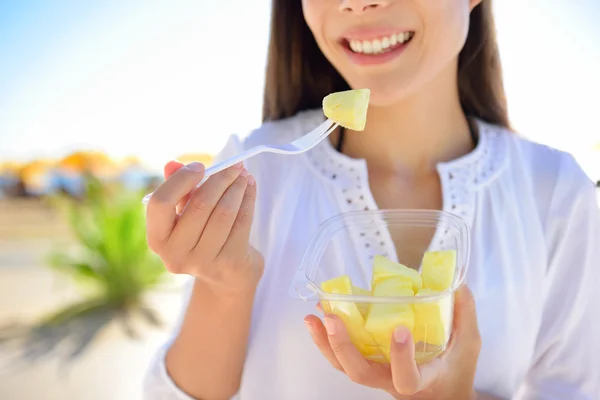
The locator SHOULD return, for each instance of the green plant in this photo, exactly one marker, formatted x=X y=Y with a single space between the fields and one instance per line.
x=111 y=260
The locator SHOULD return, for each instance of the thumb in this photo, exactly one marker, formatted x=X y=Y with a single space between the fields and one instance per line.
x=466 y=328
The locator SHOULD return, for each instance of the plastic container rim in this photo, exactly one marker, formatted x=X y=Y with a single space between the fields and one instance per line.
x=414 y=217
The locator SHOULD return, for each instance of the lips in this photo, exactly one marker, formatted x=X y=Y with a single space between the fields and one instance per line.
x=371 y=47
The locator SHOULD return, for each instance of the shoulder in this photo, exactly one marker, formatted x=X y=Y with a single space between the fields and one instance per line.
x=542 y=163
x=553 y=177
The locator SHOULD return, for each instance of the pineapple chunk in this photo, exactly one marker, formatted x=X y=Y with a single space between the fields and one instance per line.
x=383 y=318
x=349 y=314
x=437 y=269
x=396 y=284
x=348 y=108
x=362 y=307
x=384 y=268
x=432 y=320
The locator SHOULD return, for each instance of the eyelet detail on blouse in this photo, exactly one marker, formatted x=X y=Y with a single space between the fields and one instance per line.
x=461 y=179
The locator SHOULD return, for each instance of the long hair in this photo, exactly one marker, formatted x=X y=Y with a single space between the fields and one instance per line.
x=298 y=75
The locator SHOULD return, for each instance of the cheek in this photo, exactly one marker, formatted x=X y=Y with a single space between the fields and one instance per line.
x=446 y=29
x=314 y=17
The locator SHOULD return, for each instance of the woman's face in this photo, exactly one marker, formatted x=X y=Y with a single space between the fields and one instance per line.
x=393 y=47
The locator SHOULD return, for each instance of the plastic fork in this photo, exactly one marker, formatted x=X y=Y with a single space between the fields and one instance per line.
x=298 y=146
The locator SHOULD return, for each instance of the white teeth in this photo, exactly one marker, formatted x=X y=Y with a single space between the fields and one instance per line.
x=385 y=43
x=379 y=45
x=367 y=47
x=376 y=46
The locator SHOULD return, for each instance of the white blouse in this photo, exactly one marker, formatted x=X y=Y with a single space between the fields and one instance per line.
x=533 y=270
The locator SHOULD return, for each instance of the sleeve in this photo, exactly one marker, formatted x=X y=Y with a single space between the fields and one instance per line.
x=157 y=384
x=566 y=363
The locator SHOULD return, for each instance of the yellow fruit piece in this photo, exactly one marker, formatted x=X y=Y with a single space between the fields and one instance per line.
x=339 y=285
x=395 y=284
x=348 y=108
x=432 y=319
x=362 y=307
x=384 y=268
x=383 y=318
x=349 y=314
x=438 y=268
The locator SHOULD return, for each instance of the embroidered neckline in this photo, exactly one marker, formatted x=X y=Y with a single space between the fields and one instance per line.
x=473 y=170
x=461 y=178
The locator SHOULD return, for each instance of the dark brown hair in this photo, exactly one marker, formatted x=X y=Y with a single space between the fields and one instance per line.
x=298 y=75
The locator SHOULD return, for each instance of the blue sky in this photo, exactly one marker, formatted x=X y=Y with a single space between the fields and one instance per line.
x=152 y=79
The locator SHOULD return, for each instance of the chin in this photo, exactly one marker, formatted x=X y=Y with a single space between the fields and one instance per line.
x=385 y=93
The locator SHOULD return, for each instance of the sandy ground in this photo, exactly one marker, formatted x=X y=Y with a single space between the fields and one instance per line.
x=113 y=365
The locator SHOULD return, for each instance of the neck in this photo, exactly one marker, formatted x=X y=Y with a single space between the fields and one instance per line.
x=412 y=136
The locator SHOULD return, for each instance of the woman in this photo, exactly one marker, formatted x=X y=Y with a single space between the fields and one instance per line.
x=437 y=137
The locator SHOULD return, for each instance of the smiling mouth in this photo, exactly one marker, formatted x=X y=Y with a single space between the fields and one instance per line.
x=380 y=45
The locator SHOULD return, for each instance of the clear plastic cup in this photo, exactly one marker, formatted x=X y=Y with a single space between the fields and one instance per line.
x=348 y=244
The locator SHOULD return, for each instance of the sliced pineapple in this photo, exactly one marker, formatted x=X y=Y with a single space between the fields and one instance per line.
x=362 y=307
x=383 y=318
x=384 y=268
x=396 y=284
x=338 y=285
x=348 y=108
x=432 y=320
x=438 y=268
x=358 y=291
x=349 y=314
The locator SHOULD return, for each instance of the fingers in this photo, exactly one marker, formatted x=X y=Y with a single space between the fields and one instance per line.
x=319 y=336
x=465 y=331
x=465 y=315
x=462 y=352
x=161 y=210
x=357 y=367
x=199 y=208
x=223 y=218
x=405 y=373
x=169 y=169
x=239 y=236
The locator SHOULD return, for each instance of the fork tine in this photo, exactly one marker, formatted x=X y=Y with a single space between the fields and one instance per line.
x=319 y=139
x=314 y=135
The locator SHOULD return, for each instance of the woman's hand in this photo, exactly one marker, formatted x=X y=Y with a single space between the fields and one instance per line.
x=450 y=376
x=204 y=232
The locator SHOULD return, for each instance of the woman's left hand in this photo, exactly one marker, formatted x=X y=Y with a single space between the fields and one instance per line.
x=449 y=376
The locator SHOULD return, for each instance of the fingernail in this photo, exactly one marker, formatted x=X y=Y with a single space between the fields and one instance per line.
x=244 y=173
x=195 y=166
x=239 y=165
x=251 y=180
x=330 y=326
x=309 y=327
x=400 y=335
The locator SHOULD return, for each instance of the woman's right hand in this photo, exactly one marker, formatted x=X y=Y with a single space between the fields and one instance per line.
x=204 y=232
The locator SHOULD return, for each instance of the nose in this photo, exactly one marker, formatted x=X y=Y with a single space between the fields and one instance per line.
x=361 y=6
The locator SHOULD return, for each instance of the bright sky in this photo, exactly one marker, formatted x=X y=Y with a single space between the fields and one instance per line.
x=157 y=80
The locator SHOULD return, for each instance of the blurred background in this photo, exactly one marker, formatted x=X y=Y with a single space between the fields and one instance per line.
x=95 y=96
